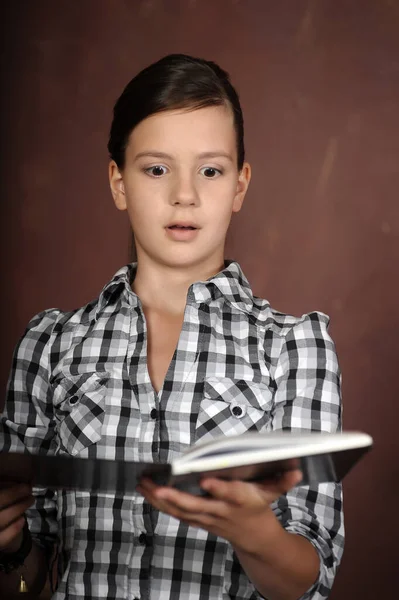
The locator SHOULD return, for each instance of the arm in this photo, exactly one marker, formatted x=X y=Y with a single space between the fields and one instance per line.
x=308 y=398
x=26 y=425
x=282 y=566
x=34 y=571
x=288 y=540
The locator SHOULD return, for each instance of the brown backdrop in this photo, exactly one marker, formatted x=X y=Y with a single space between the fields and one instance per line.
x=319 y=82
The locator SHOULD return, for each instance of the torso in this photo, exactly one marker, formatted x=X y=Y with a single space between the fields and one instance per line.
x=163 y=332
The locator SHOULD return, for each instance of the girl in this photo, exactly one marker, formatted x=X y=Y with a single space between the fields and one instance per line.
x=175 y=349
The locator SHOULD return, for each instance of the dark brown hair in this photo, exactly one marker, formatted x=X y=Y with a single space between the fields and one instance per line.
x=177 y=81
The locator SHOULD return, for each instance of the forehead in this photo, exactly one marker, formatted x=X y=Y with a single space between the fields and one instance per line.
x=201 y=130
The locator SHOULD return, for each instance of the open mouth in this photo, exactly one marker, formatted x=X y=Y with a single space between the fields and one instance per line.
x=182 y=227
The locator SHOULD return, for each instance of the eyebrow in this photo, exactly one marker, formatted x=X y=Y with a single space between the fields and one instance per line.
x=155 y=154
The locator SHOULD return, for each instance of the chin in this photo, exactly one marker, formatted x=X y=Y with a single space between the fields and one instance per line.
x=186 y=259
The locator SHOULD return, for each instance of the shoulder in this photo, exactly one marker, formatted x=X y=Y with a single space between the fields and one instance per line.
x=283 y=324
x=295 y=340
x=49 y=323
x=58 y=321
x=52 y=320
x=34 y=343
x=40 y=327
x=261 y=314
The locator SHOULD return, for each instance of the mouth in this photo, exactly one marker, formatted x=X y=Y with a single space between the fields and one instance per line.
x=182 y=226
x=182 y=231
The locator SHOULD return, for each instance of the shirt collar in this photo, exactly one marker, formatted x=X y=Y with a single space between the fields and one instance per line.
x=122 y=280
x=230 y=283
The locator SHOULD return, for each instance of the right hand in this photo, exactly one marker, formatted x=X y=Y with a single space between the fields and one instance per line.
x=15 y=499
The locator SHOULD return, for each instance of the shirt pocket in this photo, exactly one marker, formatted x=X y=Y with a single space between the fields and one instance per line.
x=79 y=406
x=232 y=407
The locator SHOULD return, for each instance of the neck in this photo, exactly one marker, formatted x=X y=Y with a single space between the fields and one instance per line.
x=164 y=288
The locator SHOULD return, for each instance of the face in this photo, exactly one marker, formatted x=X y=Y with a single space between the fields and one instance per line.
x=180 y=185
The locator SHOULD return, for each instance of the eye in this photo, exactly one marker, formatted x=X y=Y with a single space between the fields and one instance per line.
x=156 y=171
x=210 y=172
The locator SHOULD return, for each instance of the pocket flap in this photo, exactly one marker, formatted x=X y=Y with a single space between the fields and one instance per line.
x=79 y=404
x=67 y=386
x=239 y=392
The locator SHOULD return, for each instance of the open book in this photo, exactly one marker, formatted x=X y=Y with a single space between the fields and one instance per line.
x=250 y=457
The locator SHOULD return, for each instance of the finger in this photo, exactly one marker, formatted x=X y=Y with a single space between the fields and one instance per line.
x=181 y=504
x=284 y=483
x=160 y=505
x=247 y=493
x=149 y=495
x=168 y=494
x=191 y=518
x=8 y=535
x=147 y=488
x=148 y=484
x=238 y=493
x=14 y=512
x=14 y=493
x=191 y=503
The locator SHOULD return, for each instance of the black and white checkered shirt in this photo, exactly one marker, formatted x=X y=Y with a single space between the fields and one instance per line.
x=80 y=386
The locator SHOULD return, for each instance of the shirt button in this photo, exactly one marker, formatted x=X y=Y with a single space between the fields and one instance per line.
x=237 y=411
x=142 y=538
x=73 y=400
x=154 y=413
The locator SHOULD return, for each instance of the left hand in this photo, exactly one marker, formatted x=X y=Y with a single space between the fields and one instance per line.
x=238 y=511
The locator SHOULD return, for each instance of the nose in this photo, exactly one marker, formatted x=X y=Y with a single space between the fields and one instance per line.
x=184 y=191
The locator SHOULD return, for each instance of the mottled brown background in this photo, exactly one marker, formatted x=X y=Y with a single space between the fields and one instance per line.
x=319 y=82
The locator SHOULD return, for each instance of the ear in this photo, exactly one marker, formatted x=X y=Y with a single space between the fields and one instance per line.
x=117 y=186
x=244 y=178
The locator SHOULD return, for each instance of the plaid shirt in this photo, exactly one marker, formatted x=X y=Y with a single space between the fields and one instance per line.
x=80 y=386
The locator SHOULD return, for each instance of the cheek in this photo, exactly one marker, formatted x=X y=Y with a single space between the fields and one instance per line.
x=139 y=198
x=138 y=214
x=220 y=197
x=144 y=209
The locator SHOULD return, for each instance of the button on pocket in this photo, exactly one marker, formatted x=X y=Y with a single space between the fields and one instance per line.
x=237 y=411
x=74 y=400
x=232 y=407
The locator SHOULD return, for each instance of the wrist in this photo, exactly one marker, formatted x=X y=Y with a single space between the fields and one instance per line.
x=263 y=538
x=14 y=557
